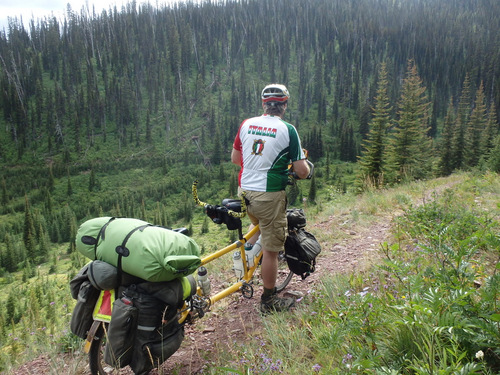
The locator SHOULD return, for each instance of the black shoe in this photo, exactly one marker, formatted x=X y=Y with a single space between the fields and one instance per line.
x=273 y=303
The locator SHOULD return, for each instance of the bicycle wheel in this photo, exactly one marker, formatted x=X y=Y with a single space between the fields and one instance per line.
x=96 y=354
x=284 y=273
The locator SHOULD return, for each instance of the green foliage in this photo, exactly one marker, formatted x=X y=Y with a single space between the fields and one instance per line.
x=431 y=306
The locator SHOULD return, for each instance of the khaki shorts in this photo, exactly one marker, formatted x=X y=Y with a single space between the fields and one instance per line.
x=268 y=209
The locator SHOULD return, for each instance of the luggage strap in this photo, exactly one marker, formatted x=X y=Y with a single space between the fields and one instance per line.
x=101 y=234
x=123 y=251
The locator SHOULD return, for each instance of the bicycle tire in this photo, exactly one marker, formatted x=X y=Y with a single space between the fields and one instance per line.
x=284 y=274
x=96 y=363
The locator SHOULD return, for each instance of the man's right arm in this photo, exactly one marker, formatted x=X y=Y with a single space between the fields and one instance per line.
x=301 y=168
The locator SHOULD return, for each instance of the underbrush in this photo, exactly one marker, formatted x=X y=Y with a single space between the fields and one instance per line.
x=431 y=306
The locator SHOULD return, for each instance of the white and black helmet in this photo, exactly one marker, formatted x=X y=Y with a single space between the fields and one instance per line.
x=275 y=93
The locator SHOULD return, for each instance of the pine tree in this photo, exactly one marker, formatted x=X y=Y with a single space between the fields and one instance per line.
x=148 y=129
x=372 y=161
x=69 y=188
x=490 y=132
x=51 y=183
x=458 y=144
x=475 y=129
x=312 y=190
x=92 y=180
x=445 y=161
x=9 y=260
x=409 y=154
x=5 y=195
x=293 y=194
x=29 y=231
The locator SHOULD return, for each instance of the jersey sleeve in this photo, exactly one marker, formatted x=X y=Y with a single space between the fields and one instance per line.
x=237 y=139
x=296 y=152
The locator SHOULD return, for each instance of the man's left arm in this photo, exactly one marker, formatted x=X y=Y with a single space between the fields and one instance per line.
x=236 y=157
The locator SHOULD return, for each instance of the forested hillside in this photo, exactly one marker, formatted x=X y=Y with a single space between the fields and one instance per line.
x=149 y=90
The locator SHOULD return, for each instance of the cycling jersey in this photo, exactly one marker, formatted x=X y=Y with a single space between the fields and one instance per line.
x=267 y=145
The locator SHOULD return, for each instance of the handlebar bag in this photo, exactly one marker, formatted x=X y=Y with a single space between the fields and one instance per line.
x=138 y=248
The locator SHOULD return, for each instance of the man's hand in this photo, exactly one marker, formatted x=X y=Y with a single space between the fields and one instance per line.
x=302 y=169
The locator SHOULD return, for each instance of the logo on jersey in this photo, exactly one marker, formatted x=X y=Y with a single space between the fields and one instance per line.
x=262 y=131
x=258 y=147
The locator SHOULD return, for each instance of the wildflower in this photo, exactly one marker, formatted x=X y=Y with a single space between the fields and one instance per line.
x=316 y=367
x=347 y=358
x=480 y=355
x=52 y=303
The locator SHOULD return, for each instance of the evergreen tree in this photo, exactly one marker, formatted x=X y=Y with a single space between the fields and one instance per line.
x=204 y=226
x=148 y=128
x=29 y=231
x=293 y=194
x=372 y=159
x=9 y=260
x=92 y=180
x=5 y=195
x=458 y=144
x=445 y=160
x=410 y=151
x=475 y=130
x=51 y=183
x=491 y=131
x=312 y=190
x=11 y=308
x=233 y=184
x=69 y=188
x=494 y=156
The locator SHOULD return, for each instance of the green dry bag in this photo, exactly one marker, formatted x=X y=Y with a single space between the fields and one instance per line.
x=139 y=248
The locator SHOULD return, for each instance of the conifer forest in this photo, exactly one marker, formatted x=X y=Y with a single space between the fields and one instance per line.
x=116 y=113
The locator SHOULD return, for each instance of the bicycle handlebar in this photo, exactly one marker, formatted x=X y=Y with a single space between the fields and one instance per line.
x=216 y=208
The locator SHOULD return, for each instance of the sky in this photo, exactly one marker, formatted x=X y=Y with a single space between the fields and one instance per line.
x=40 y=9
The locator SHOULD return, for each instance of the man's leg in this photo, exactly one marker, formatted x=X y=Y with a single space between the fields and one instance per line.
x=269 y=269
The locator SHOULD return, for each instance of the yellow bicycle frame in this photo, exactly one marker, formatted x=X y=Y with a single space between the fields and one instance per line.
x=248 y=272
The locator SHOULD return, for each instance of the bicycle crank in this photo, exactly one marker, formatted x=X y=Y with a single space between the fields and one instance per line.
x=247 y=290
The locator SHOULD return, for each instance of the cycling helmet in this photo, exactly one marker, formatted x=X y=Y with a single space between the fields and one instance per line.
x=275 y=93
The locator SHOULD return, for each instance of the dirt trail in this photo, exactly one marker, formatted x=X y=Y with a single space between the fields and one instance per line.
x=218 y=331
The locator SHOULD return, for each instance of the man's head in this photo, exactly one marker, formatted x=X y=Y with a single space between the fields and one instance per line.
x=275 y=99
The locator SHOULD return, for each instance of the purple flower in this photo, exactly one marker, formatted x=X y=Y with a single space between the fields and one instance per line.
x=316 y=367
x=347 y=358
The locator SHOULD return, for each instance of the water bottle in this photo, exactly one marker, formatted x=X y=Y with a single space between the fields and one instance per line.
x=257 y=248
x=203 y=281
x=238 y=265
x=249 y=254
x=252 y=252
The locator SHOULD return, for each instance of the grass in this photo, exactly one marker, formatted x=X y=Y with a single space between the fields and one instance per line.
x=431 y=305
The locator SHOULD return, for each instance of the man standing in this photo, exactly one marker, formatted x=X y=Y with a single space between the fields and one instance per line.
x=264 y=147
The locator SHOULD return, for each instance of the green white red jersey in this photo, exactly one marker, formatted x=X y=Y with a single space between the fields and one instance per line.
x=267 y=145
